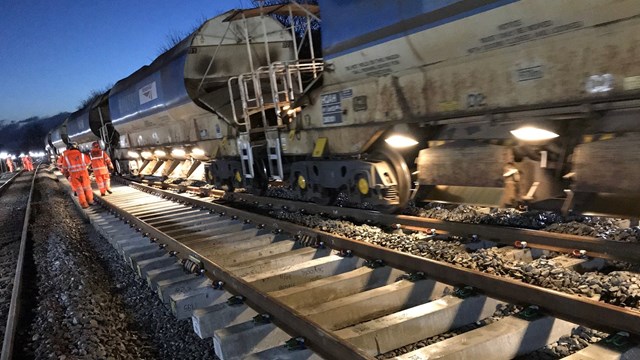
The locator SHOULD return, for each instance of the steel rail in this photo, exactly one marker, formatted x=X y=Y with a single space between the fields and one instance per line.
x=598 y=315
x=608 y=249
x=291 y=321
x=179 y=187
x=14 y=307
x=8 y=183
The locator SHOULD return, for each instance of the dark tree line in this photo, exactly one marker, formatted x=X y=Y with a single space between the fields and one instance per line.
x=28 y=134
x=93 y=96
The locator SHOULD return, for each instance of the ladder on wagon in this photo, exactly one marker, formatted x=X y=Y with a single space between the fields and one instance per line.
x=269 y=94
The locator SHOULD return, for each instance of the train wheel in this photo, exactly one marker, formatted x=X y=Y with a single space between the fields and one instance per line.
x=402 y=174
x=363 y=185
x=358 y=191
x=299 y=186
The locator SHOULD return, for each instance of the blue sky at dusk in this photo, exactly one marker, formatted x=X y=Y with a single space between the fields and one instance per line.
x=54 y=53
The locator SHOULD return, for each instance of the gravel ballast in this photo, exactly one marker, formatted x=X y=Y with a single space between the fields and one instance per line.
x=87 y=303
x=617 y=287
x=575 y=224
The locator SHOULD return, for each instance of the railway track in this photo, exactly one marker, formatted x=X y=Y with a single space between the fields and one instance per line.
x=538 y=239
x=565 y=243
x=15 y=205
x=6 y=179
x=345 y=298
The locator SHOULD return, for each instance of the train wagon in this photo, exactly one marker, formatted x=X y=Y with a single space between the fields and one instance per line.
x=48 y=146
x=80 y=131
x=175 y=114
x=58 y=138
x=507 y=102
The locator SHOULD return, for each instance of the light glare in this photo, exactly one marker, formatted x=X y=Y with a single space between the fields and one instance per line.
x=178 y=152
x=160 y=153
x=133 y=154
x=530 y=133
x=197 y=152
x=400 y=141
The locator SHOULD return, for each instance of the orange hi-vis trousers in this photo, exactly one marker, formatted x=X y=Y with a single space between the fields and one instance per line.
x=103 y=181
x=81 y=184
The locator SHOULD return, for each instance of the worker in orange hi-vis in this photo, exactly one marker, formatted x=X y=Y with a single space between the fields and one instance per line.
x=101 y=164
x=75 y=164
x=60 y=166
x=30 y=162
x=10 y=164
x=27 y=163
x=24 y=161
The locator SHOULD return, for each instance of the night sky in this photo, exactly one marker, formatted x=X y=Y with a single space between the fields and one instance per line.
x=54 y=53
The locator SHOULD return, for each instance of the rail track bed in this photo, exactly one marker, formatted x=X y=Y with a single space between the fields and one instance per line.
x=583 y=234
x=551 y=260
x=609 y=243
x=14 y=197
x=254 y=283
x=80 y=301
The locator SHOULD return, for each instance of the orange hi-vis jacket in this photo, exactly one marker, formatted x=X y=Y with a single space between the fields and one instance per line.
x=27 y=163
x=75 y=162
x=100 y=161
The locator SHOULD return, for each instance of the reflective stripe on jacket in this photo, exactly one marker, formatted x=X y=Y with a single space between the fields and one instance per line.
x=75 y=161
x=99 y=161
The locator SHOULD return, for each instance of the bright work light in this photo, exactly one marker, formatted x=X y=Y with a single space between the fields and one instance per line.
x=178 y=152
x=530 y=133
x=197 y=152
x=400 y=141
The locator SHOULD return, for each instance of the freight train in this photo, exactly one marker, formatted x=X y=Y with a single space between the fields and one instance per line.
x=495 y=103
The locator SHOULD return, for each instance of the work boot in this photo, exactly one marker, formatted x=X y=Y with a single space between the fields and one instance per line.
x=85 y=206
x=103 y=194
x=91 y=203
x=109 y=191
